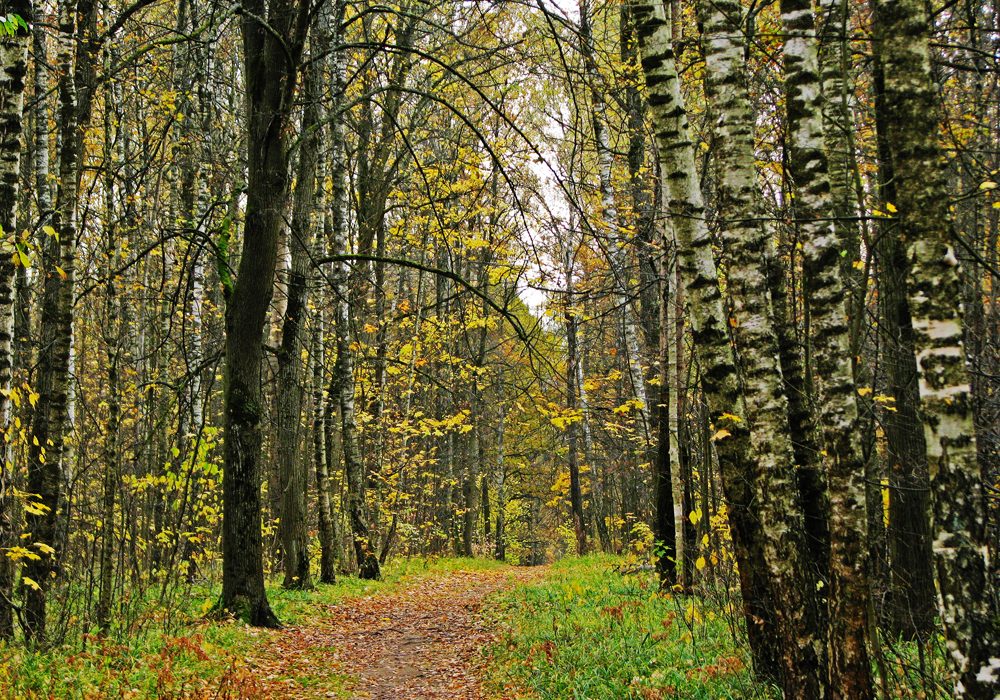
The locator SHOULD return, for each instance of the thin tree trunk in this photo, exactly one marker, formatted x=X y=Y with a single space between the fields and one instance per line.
x=292 y=472
x=13 y=72
x=324 y=506
x=572 y=397
x=617 y=252
x=357 y=507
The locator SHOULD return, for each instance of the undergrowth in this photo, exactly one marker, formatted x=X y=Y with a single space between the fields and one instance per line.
x=586 y=631
x=177 y=652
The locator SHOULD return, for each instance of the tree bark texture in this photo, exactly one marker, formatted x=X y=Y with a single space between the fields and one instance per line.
x=967 y=600
x=745 y=240
x=849 y=665
x=75 y=60
x=13 y=74
x=709 y=330
x=271 y=57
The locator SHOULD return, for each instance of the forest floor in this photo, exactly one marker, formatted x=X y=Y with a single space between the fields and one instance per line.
x=420 y=640
x=582 y=628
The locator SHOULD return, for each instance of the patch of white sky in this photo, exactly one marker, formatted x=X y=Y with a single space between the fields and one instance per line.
x=554 y=220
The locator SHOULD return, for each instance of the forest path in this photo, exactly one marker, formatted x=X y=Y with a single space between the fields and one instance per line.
x=421 y=640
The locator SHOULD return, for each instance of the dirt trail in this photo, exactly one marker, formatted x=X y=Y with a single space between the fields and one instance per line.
x=419 y=641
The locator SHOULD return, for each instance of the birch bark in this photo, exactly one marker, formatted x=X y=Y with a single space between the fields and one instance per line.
x=13 y=71
x=709 y=324
x=75 y=59
x=849 y=665
x=967 y=600
x=745 y=241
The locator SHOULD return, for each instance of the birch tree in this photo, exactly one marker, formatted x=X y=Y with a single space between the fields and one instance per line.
x=850 y=668
x=967 y=600
x=13 y=76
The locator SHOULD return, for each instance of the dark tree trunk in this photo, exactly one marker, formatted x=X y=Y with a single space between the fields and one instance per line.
x=911 y=609
x=572 y=398
x=665 y=524
x=292 y=472
x=271 y=56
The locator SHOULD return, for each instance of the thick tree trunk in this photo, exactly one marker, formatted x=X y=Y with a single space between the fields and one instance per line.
x=911 y=605
x=967 y=598
x=271 y=56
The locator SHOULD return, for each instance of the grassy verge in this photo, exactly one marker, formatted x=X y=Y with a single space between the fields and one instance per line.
x=196 y=657
x=586 y=631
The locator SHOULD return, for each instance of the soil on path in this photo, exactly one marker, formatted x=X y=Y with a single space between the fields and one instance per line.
x=420 y=641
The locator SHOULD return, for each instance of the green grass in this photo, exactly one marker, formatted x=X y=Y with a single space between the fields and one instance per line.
x=200 y=657
x=586 y=631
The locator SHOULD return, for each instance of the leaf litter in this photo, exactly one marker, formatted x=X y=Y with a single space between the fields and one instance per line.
x=421 y=641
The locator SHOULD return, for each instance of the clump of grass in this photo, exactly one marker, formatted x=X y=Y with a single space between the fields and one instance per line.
x=586 y=631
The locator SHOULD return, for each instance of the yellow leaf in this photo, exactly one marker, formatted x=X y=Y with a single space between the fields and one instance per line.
x=700 y=563
x=50 y=231
x=62 y=272
x=44 y=548
x=31 y=583
x=890 y=207
x=719 y=434
x=694 y=516
x=35 y=508
x=864 y=391
x=858 y=264
x=731 y=417
x=988 y=185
